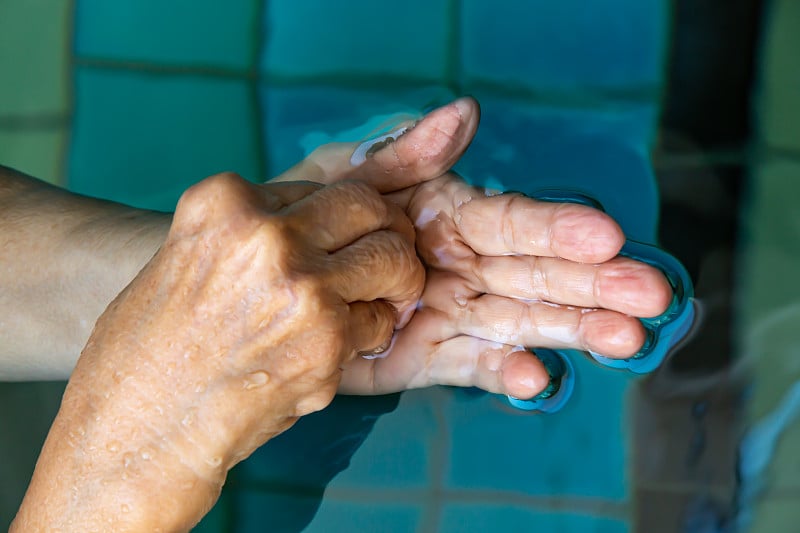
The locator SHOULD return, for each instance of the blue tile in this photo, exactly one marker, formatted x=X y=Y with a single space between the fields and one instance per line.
x=478 y=518
x=299 y=119
x=349 y=517
x=203 y=32
x=602 y=152
x=566 y=45
x=311 y=37
x=579 y=451
x=143 y=139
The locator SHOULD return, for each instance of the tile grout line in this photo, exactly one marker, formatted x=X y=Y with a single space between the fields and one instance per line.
x=71 y=20
x=588 y=97
x=256 y=78
x=439 y=451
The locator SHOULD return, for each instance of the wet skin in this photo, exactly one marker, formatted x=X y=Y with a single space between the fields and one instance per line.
x=254 y=311
x=504 y=272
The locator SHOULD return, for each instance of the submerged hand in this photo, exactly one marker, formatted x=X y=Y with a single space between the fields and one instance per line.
x=239 y=325
x=503 y=272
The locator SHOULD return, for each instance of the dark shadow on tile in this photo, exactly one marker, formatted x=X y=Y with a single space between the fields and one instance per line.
x=680 y=512
x=26 y=412
x=711 y=70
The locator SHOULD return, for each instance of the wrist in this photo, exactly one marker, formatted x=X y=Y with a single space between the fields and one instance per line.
x=103 y=472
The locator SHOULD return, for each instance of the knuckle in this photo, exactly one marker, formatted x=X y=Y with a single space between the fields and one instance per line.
x=210 y=199
x=364 y=195
x=540 y=281
x=507 y=228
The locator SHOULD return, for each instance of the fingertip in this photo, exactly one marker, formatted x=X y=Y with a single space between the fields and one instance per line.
x=612 y=334
x=586 y=235
x=524 y=375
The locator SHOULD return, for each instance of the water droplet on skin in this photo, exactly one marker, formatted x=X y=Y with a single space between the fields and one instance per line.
x=256 y=380
x=125 y=508
x=214 y=461
x=113 y=446
x=127 y=459
x=146 y=453
x=200 y=387
x=461 y=300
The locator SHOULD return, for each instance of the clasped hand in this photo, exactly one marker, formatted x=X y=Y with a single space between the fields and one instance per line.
x=256 y=308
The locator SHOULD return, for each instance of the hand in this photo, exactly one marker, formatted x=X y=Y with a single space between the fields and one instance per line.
x=239 y=325
x=503 y=272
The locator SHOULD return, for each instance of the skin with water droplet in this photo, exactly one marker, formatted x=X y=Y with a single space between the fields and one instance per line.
x=256 y=380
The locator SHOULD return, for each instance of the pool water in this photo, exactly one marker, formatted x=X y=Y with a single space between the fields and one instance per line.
x=681 y=118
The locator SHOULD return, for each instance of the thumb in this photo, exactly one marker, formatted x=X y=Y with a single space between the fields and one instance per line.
x=424 y=152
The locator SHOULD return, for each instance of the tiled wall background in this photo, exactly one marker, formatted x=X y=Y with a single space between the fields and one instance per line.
x=135 y=100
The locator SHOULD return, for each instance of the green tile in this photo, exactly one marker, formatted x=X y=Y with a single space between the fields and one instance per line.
x=33 y=56
x=770 y=242
x=143 y=140
x=37 y=153
x=768 y=317
x=774 y=515
x=780 y=85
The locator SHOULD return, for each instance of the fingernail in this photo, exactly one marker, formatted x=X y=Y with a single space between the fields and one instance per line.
x=381 y=351
x=463 y=105
x=368 y=148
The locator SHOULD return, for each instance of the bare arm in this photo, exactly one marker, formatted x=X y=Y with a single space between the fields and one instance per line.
x=63 y=258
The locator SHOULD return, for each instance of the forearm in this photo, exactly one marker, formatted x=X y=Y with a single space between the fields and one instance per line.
x=63 y=258
x=100 y=470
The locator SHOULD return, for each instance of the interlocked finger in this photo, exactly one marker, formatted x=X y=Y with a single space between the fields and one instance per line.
x=371 y=325
x=339 y=214
x=380 y=265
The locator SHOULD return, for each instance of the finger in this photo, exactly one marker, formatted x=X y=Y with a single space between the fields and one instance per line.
x=423 y=152
x=539 y=324
x=339 y=214
x=621 y=284
x=380 y=265
x=461 y=361
x=279 y=195
x=513 y=224
x=371 y=325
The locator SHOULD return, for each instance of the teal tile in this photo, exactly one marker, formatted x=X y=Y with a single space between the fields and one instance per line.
x=478 y=518
x=568 y=45
x=579 y=451
x=395 y=455
x=144 y=139
x=313 y=37
x=347 y=517
x=180 y=31
x=256 y=511
x=301 y=118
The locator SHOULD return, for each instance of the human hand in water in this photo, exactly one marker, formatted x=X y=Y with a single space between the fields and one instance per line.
x=503 y=272
x=239 y=325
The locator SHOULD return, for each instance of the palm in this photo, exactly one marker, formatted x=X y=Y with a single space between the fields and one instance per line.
x=503 y=272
